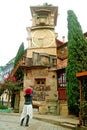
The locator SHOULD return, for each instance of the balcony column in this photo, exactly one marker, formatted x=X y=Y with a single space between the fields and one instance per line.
x=29 y=38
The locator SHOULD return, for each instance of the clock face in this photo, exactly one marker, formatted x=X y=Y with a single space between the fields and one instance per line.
x=43 y=38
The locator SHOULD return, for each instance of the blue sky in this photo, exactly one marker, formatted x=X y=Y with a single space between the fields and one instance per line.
x=15 y=16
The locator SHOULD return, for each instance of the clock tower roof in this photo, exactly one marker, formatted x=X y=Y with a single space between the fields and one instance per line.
x=46 y=10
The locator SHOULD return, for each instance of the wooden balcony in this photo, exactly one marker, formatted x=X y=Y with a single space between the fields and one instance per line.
x=38 y=60
x=26 y=61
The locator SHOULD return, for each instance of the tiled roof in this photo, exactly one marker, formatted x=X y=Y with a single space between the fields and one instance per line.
x=62 y=64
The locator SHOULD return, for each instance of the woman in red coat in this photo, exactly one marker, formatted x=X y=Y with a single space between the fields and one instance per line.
x=27 y=109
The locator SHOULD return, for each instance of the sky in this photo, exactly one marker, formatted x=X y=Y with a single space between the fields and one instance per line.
x=15 y=16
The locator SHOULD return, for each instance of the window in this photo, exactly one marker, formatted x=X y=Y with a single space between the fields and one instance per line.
x=62 y=80
x=62 y=84
x=40 y=82
x=42 y=19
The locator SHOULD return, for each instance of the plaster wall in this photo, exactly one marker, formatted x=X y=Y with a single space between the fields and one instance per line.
x=51 y=51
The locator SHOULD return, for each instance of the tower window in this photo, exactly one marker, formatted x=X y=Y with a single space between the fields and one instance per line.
x=42 y=19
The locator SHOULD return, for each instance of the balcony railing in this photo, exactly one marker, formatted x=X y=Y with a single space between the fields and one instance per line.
x=26 y=61
x=42 y=61
x=38 y=60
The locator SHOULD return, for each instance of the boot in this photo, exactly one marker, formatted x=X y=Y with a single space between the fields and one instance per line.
x=22 y=122
x=27 y=120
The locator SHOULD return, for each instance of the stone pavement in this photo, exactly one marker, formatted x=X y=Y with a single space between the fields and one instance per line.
x=10 y=121
x=65 y=121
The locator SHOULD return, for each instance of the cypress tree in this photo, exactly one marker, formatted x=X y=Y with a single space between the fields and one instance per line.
x=19 y=53
x=19 y=74
x=77 y=61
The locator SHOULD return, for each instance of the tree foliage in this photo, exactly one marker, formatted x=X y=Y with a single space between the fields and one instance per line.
x=19 y=74
x=14 y=83
x=77 y=60
x=19 y=53
x=11 y=84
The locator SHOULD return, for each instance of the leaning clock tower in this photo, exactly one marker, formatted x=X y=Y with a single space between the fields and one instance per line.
x=42 y=35
x=40 y=67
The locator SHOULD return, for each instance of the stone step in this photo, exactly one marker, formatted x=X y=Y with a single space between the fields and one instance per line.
x=68 y=125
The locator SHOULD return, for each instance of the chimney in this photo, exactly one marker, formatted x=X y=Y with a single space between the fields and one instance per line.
x=63 y=37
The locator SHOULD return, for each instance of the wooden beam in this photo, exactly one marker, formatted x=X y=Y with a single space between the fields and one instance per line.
x=80 y=74
x=80 y=112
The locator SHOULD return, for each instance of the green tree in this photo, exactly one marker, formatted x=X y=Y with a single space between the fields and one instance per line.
x=77 y=60
x=19 y=73
x=9 y=84
x=19 y=53
x=14 y=83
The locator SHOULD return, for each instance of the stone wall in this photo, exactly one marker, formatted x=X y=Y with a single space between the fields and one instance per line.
x=63 y=108
x=49 y=50
x=49 y=105
x=21 y=101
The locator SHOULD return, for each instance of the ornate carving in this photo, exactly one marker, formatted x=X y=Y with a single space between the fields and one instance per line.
x=40 y=92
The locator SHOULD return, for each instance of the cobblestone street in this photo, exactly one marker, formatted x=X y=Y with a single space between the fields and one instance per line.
x=11 y=122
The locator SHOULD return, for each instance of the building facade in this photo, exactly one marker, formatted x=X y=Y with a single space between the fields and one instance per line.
x=44 y=63
x=40 y=73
